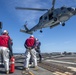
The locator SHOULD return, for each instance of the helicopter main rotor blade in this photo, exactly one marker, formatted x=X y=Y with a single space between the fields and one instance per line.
x=36 y=9
x=53 y=4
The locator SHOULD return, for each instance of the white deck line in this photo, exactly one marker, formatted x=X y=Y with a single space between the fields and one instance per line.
x=61 y=62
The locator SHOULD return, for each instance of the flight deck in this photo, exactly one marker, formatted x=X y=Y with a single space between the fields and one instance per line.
x=58 y=65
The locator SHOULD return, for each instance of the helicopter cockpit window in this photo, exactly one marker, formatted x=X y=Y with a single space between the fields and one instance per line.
x=51 y=16
x=45 y=18
x=69 y=9
x=62 y=8
x=41 y=18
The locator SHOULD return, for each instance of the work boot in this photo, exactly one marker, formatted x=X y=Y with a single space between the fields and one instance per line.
x=7 y=72
x=36 y=68
x=25 y=71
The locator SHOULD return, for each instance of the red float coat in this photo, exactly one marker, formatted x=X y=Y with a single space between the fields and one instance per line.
x=30 y=42
x=4 y=40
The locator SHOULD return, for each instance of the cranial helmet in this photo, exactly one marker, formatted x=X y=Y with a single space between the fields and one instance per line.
x=5 y=31
x=36 y=39
x=31 y=36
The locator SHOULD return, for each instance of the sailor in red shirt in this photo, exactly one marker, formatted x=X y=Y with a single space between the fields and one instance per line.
x=5 y=45
x=30 y=51
x=5 y=32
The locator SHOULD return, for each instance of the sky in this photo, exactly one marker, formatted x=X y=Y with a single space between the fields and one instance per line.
x=57 y=39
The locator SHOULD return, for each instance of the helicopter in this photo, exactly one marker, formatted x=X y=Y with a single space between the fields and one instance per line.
x=53 y=17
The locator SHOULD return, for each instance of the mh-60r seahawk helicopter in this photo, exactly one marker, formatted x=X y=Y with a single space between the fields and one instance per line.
x=51 y=18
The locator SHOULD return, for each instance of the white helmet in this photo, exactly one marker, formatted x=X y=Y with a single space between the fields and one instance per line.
x=36 y=39
x=31 y=36
x=5 y=31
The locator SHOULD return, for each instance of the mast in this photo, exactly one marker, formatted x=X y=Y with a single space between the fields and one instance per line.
x=0 y=28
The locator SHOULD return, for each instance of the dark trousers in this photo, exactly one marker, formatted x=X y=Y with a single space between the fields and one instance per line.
x=39 y=54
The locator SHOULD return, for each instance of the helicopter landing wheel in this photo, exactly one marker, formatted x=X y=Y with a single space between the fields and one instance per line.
x=41 y=31
x=55 y=19
x=63 y=24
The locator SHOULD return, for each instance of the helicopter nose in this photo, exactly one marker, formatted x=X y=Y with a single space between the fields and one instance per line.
x=74 y=11
x=73 y=8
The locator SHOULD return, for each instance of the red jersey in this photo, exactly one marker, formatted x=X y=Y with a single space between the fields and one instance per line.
x=4 y=40
x=30 y=42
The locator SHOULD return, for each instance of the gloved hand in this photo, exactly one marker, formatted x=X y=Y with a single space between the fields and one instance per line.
x=29 y=48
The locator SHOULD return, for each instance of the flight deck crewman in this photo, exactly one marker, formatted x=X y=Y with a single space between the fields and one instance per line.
x=30 y=51
x=5 y=45
x=37 y=48
x=11 y=52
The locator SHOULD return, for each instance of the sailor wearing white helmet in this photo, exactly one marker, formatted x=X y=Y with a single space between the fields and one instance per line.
x=30 y=51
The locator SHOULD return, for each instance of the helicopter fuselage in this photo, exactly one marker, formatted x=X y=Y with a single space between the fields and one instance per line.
x=55 y=17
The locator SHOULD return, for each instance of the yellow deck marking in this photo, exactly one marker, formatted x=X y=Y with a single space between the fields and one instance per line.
x=72 y=68
x=31 y=73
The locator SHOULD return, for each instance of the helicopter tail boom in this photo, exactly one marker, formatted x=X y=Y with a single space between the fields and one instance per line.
x=25 y=31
